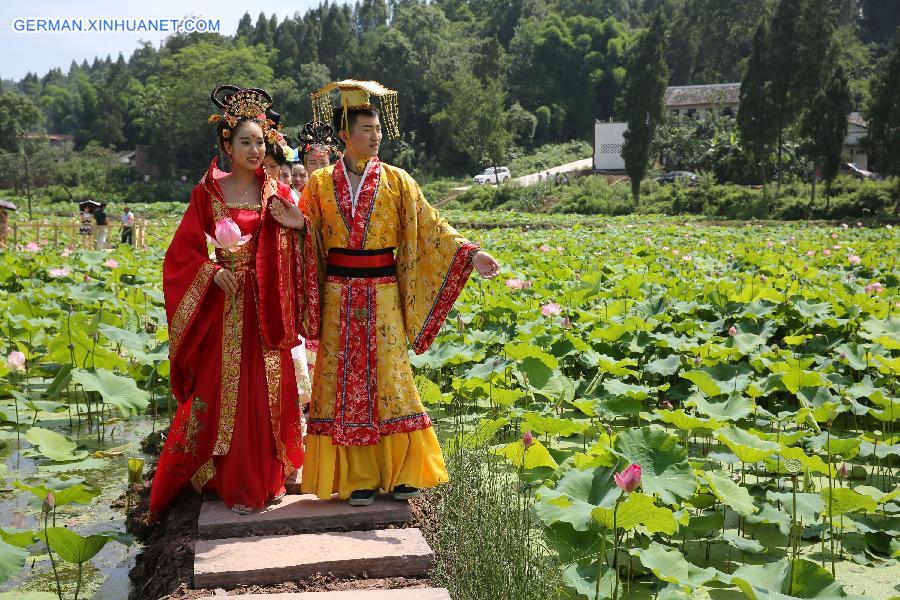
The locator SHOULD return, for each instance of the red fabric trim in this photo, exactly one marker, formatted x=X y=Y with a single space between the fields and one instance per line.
x=356 y=405
x=403 y=424
x=356 y=222
x=454 y=282
x=361 y=262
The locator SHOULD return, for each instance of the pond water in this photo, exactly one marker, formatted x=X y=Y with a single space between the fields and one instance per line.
x=106 y=575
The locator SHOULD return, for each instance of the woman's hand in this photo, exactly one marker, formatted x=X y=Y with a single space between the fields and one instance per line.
x=486 y=265
x=287 y=214
x=226 y=280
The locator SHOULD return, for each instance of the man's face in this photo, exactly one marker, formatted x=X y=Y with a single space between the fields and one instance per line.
x=365 y=135
x=299 y=177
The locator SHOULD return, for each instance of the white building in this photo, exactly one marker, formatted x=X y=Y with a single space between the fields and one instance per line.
x=700 y=100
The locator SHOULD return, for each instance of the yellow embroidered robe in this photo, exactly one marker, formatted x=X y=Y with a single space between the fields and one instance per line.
x=368 y=428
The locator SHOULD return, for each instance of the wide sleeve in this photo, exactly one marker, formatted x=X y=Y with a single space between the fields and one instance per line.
x=187 y=276
x=310 y=263
x=433 y=264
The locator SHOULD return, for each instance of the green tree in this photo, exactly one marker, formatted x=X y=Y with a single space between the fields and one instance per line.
x=756 y=113
x=642 y=100
x=824 y=124
x=470 y=126
x=884 y=114
x=784 y=70
x=179 y=101
x=19 y=117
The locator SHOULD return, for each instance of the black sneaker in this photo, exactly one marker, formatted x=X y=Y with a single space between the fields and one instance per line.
x=362 y=497
x=405 y=492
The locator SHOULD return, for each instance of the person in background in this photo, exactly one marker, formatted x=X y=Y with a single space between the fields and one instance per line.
x=284 y=174
x=127 y=226
x=299 y=177
x=102 y=228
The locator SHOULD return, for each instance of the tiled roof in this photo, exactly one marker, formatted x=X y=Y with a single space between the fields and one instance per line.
x=719 y=93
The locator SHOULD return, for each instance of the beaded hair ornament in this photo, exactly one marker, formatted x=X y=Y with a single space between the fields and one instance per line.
x=317 y=138
x=243 y=104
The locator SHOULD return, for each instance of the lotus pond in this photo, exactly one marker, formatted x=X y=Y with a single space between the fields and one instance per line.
x=749 y=370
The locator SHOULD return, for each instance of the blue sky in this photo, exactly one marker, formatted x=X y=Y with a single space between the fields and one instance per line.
x=38 y=52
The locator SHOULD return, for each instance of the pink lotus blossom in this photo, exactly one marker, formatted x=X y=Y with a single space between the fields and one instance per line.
x=528 y=439
x=827 y=251
x=16 y=360
x=32 y=247
x=770 y=243
x=527 y=285
x=675 y=251
x=834 y=236
x=560 y=249
x=228 y=235
x=49 y=503
x=687 y=258
x=873 y=288
x=112 y=263
x=66 y=253
x=843 y=471
x=515 y=283
x=836 y=247
x=763 y=278
x=629 y=479
x=732 y=331
x=544 y=248
x=648 y=239
x=566 y=323
x=60 y=272
x=854 y=259
x=698 y=361
x=810 y=253
x=843 y=226
x=87 y=278
x=551 y=309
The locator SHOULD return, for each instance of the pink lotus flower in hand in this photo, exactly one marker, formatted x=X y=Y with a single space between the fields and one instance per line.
x=228 y=236
x=16 y=360
x=112 y=263
x=629 y=479
x=515 y=283
x=550 y=309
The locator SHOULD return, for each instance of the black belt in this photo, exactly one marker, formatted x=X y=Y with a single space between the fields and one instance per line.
x=344 y=262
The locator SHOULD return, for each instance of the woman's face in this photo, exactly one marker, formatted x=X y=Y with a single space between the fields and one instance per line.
x=317 y=158
x=284 y=174
x=247 y=146
x=300 y=177
x=271 y=166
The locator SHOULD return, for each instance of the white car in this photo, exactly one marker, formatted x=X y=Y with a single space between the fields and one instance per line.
x=490 y=176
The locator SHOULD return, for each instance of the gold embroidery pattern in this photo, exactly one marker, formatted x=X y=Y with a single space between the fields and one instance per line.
x=195 y=425
x=232 y=329
x=188 y=305
x=272 y=361
x=203 y=475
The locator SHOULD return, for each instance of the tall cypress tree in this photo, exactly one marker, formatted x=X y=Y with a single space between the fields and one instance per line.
x=756 y=113
x=884 y=114
x=785 y=68
x=824 y=123
x=642 y=100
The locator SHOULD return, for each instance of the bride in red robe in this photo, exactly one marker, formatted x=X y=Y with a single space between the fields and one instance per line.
x=233 y=322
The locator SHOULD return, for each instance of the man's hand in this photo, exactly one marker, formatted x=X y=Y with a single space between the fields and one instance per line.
x=486 y=265
x=287 y=214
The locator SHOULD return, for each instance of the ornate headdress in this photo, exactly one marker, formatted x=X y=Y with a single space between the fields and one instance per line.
x=279 y=143
x=314 y=137
x=355 y=94
x=244 y=104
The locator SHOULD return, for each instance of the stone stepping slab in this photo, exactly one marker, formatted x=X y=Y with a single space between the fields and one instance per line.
x=268 y=560
x=366 y=594
x=300 y=514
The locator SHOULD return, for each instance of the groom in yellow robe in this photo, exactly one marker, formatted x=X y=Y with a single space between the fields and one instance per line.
x=389 y=269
